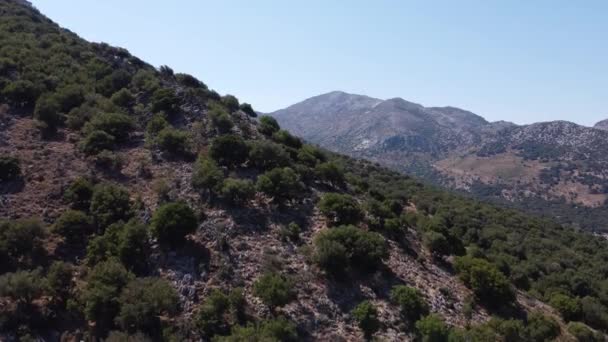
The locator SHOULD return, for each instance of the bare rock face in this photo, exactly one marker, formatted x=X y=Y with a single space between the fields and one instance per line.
x=603 y=125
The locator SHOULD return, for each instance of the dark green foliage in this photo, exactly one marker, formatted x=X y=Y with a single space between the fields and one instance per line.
x=280 y=183
x=142 y=301
x=172 y=222
x=125 y=242
x=285 y=138
x=331 y=173
x=74 y=226
x=146 y=80
x=22 y=93
x=486 y=281
x=366 y=316
x=343 y=248
x=10 y=168
x=582 y=333
x=410 y=302
x=207 y=175
x=437 y=243
x=237 y=191
x=109 y=204
x=189 y=81
x=123 y=98
x=291 y=232
x=79 y=194
x=220 y=118
x=47 y=111
x=109 y=161
x=229 y=150
x=22 y=286
x=542 y=328
x=268 y=125
x=69 y=97
x=113 y=82
x=21 y=243
x=246 y=107
x=212 y=317
x=156 y=124
x=568 y=307
x=117 y=125
x=278 y=329
x=340 y=209
x=594 y=313
x=101 y=294
x=310 y=155
x=164 y=99
x=97 y=141
x=267 y=155
x=174 y=141
x=274 y=289
x=432 y=329
x=230 y=102
x=59 y=280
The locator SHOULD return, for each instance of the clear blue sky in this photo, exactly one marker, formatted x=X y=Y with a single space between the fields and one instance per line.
x=515 y=60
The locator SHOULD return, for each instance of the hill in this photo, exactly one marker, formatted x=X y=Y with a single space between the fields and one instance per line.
x=555 y=169
x=138 y=204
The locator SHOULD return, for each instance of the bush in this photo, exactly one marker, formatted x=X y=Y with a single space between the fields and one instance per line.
x=59 y=280
x=143 y=301
x=366 y=316
x=79 y=194
x=207 y=175
x=542 y=328
x=582 y=333
x=568 y=307
x=310 y=155
x=230 y=102
x=113 y=82
x=172 y=222
x=174 y=141
x=432 y=329
x=486 y=281
x=410 y=302
x=125 y=242
x=69 y=97
x=47 y=111
x=342 y=248
x=10 y=168
x=156 y=124
x=109 y=161
x=109 y=204
x=20 y=242
x=268 y=125
x=97 y=141
x=211 y=317
x=287 y=139
x=21 y=93
x=189 y=81
x=123 y=98
x=594 y=313
x=280 y=183
x=278 y=329
x=229 y=150
x=274 y=290
x=331 y=173
x=220 y=119
x=267 y=155
x=21 y=286
x=246 y=107
x=74 y=226
x=291 y=232
x=340 y=209
x=164 y=99
x=117 y=125
x=437 y=243
x=237 y=191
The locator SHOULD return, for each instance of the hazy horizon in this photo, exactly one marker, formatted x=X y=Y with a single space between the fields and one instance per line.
x=514 y=61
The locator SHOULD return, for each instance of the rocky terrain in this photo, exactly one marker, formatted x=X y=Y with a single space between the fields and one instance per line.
x=555 y=169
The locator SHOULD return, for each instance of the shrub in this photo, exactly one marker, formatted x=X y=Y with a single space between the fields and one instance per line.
x=102 y=291
x=69 y=97
x=568 y=307
x=164 y=99
x=594 y=313
x=146 y=80
x=143 y=301
x=189 y=81
x=20 y=242
x=310 y=155
x=285 y=138
x=486 y=281
x=230 y=102
x=207 y=175
x=268 y=125
x=110 y=203
x=10 y=168
x=97 y=141
x=246 y=107
x=437 y=243
x=274 y=290
x=74 y=226
x=229 y=150
x=59 y=280
x=582 y=333
x=266 y=155
x=542 y=328
x=366 y=316
x=125 y=242
x=410 y=302
x=340 y=209
x=109 y=161
x=432 y=329
x=156 y=124
x=237 y=191
x=211 y=317
x=280 y=183
x=342 y=248
x=47 y=112
x=291 y=232
x=172 y=222
x=117 y=125
x=113 y=82
x=278 y=329
x=174 y=141
x=331 y=173
x=21 y=93
x=220 y=119
x=21 y=286
x=123 y=98
x=79 y=194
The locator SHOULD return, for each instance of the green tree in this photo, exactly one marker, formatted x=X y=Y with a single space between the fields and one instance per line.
x=285 y=138
x=207 y=175
x=229 y=150
x=542 y=328
x=432 y=329
x=156 y=124
x=123 y=98
x=267 y=155
x=115 y=124
x=268 y=125
x=486 y=281
x=274 y=290
x=340 y=209
x=220 y=119
x=74 y=226
x=568 y=307
x=331 y=173
x=280 y=183
x=96 y=142
x=59 y=280
x=79 y=193
x=22 y=286
x=366 y=315
x=110 y=203
x=47 y=112
x=164 y=99
x=172 y=222
x=237 y=191
x=582 y=333
x=174 y=141
x=246 y=107
x=410 y=302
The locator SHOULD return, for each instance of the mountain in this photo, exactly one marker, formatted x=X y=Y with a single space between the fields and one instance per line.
x=137 y=204
x=602 y=125
x=556 y=169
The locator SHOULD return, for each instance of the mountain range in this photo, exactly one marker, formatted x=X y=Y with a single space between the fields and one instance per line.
x=554 y=168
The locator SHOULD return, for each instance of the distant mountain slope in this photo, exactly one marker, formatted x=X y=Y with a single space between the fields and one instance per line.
x=552 y=168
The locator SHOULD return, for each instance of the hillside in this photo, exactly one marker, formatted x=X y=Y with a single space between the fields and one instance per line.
x=555 y=169
x=137 y=204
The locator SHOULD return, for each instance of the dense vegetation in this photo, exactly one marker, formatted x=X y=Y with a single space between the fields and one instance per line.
x=101 y=265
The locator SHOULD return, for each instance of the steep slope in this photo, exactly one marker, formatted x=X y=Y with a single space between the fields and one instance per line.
x=138 y=204
x=602 y=125
x=554 y=168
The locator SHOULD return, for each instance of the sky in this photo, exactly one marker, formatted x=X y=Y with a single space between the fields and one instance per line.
x=516 y=60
